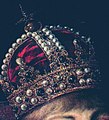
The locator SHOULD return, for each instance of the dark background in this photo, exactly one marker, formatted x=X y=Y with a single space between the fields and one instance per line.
x=88 y=17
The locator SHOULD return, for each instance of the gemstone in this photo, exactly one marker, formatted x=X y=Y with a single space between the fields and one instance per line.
x=40 y=92
x=71 y=79
x=26 y=99
x=18 y=99
x=28 y=74
x=23 y=107
x=29 y=92
x=34 y=100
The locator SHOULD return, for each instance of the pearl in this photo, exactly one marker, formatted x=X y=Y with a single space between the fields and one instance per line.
x=87 y=70
x=37 y=37
x=43 y=45
x=79 y=72
x=61 y=47
x=45 y=83
x=75 y=42
x=11 y=50
x=19 y=40
x=62 y=86
x=48 y=52
x=51 y=36
x=4 y=67
x=34 y=34
x=4 y=73
x=24 y=36
x=19 y=61
x=44 y=29
x=18 y=99
x=65 y=27
x=71 y=29
x=55 y=39
x=82 y=81
x=29 y=34
x=48 y=32
x=29 y=92
x=49 y=91
x=82 y=37
x=23 y=107
x=89 y=80
x=14 y=45
x=51 y=27
x=40 y=41
x=8 y=55
x=77 y=33
x=5 y=61
x=46 y=48
x=34 y=100
x=57 y=44
x=58 y=26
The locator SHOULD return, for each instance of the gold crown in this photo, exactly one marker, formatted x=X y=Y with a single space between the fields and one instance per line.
x=65 y=74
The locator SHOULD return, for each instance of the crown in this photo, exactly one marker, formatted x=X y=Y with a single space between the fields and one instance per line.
x=38 y=68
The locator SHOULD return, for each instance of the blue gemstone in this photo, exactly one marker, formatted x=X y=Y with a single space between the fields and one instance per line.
x=40 y=92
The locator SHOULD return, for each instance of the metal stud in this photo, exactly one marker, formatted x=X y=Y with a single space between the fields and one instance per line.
x=62 y=86
x=82 y=81
x=45 y=83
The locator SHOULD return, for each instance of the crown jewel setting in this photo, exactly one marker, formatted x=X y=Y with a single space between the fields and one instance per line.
x=63 y=74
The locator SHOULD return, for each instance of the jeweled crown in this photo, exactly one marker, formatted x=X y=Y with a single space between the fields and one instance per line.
x=38 y=68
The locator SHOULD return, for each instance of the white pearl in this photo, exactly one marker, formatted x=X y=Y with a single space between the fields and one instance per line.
x=37 y=37
x=75 y=42
x=79 y=72
x=14 y=45
x=87 y=70
x=89 y=80
x=71 y=29
x=34 y=34
x=29 y=34
x=62 y=86
x=49 y=91
x=8 y=55
x=45 y=83
x=29 y=92
x=57 y=44
x=55 y=39
x=51 y=27
x=40 y=41
x=48 y=32
x=19 y=40
x=48 y=52
x=23 y=107
x=5 y=61
x=51 y=36
x=18 y=99
x=82 y=81
x=46 y=49
x=3 y=73
x=44 y=29
x=11 y=50
x=61 y=47
x=24 y=36
x=82 y=37
x=43 y=44
x=4 y=67
x=34 y=101
x=77 y=33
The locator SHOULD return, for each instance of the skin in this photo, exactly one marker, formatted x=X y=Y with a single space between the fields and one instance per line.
x=82 y=105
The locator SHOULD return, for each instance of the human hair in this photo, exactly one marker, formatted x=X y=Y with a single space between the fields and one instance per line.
x=80 y=99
